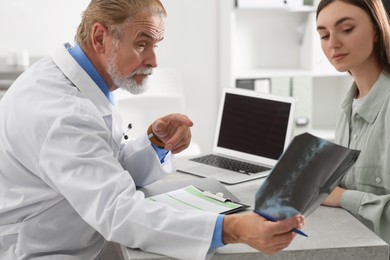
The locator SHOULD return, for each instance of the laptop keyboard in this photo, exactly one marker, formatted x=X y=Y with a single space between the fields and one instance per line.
x=230 y=164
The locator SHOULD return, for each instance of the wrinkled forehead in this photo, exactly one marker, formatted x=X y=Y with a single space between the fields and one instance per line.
x=149 y=25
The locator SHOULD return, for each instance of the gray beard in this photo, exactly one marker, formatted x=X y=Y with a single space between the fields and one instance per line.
x=128 y=83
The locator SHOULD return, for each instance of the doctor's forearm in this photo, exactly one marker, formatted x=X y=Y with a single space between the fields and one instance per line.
x=255 y=231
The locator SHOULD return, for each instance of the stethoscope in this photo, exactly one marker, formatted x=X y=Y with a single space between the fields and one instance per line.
x=128 y=128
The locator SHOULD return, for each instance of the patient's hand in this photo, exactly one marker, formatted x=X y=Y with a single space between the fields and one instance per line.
x=334 y=198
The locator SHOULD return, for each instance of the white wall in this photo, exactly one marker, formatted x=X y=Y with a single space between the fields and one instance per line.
x=190 y=46
x=38 y=26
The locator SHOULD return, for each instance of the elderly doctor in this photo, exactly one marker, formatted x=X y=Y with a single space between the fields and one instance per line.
x=68 y=183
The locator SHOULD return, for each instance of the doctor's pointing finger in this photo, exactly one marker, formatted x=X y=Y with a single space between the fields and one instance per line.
x=173 y=131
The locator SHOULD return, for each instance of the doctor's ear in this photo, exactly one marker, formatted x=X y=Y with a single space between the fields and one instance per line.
x=99 y=36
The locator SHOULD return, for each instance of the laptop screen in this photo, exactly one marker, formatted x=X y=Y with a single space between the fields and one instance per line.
x=254 y=125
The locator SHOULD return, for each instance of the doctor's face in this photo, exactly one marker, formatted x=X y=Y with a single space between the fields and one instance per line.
x=347 y=36
x=133 y=57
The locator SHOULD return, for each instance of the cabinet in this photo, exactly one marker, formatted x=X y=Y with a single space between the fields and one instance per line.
x=8 y=74
x=4 y=85
x=276 y=49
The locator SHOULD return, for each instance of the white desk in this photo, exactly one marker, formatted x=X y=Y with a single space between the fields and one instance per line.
x=333 y=234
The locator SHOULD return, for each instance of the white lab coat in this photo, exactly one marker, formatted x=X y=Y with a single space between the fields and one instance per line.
x=65 y=186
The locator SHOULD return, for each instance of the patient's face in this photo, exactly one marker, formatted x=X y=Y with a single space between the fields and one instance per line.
x=347 y=36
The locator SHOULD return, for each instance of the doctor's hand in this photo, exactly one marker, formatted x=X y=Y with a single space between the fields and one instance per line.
x=259 y=233
x=174 y=131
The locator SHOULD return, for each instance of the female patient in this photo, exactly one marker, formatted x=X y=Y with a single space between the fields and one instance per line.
x=355 y=37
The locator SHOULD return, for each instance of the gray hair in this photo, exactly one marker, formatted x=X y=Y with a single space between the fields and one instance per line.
x=114 y=14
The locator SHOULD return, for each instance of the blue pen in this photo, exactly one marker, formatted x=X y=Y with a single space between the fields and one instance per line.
x=274 y=220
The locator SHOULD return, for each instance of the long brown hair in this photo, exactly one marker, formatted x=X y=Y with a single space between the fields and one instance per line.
x=378 y=16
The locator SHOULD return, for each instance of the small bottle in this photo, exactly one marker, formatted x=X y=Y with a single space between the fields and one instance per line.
x=23 y=58
x=11 y=58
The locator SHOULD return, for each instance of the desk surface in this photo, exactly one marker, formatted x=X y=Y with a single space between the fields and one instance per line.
x=333 y=234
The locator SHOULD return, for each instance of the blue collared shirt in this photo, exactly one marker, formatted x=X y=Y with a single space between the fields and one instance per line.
x=82 y=59
x=217 y=236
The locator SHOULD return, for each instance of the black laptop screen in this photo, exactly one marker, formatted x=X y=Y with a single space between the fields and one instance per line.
x=254 y=125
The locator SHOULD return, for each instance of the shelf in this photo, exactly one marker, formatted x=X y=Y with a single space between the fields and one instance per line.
x=271 y=73
x=275 y=48
x=8 y=72
x=5 y=84
x=297 y=9
x=326 y=134
x=274 y=5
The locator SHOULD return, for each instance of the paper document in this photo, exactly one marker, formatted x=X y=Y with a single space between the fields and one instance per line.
x=191 y=198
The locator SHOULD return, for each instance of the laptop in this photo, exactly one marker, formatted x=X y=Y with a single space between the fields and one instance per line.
x=253 y=130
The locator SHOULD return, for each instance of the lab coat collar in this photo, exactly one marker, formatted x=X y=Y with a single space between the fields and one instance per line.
x=82 y=59
x=75 y=73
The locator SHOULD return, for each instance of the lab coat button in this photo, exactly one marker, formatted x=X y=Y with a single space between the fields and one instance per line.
x=378 y=180
x=354 y=136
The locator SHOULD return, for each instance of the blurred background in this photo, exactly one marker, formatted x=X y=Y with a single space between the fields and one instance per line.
x=263 y=45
